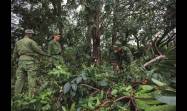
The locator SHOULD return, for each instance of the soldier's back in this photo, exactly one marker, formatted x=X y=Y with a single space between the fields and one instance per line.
x=24 y=49
x=127 y=54
x=23 y=44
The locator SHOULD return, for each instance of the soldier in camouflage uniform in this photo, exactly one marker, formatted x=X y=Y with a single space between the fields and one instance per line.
x=55 y=50
x=27 y=51
x=121 y=56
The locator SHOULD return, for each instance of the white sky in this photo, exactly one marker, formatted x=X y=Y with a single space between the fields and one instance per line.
x=64 y=2
x=14 y=18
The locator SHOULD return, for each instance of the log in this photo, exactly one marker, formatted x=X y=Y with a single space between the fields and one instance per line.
x=154 y=60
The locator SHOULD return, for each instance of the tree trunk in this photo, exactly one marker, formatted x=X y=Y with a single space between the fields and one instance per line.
x=89 y=41
x=96 y=38
x=57 y=12
x=137 y=43
x=114 y=31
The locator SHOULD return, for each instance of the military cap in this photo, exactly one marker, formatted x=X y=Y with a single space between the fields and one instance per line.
x=29 y=31
x=56 y=34
x=117 y=44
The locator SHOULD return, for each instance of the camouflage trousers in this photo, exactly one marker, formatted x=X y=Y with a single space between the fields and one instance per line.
x=26 y=69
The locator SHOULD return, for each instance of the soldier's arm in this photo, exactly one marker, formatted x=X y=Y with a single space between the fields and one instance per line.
x=49 y=48
x=37 y=49
x=129 y=55
x=14 y=55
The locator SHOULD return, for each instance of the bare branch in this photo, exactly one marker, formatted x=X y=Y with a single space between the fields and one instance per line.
x=90 y=87
x=154 y=60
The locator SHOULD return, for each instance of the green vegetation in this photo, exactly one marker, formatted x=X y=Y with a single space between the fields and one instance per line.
x=86 y=81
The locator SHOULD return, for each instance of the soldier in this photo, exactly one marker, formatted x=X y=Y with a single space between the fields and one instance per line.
x=120 y=56
x=27 y=51
x=55 y=50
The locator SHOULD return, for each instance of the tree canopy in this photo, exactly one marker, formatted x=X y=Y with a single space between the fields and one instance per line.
x=89 y=29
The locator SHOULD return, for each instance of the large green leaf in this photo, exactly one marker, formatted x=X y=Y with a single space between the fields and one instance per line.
x=146 y=88
x=157 y=82
x=121 y=108
x=114 y=92
x=170 y=89
x=161 y=108
x=170 y=100
x=64 y=108
x=103 y=83
x=128 y=88
x=84 y=77
x=74 y=87
x=149 y=101
x=73 y=107
x=72 y=93
x=67 y=87
x=78 y=80
x=47 y=107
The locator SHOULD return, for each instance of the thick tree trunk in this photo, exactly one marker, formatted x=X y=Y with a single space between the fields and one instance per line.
x=114 y=31
x=88 y=40
x=96 y=38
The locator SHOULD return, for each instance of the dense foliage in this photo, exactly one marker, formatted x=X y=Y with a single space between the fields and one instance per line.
x=89 y=28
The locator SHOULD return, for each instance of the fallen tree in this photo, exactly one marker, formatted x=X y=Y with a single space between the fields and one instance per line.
x=154 y=60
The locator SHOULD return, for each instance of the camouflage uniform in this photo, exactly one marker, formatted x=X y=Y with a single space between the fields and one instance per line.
x=128 y=57
x=55 y=51
x=27 y=51
x=120 y=56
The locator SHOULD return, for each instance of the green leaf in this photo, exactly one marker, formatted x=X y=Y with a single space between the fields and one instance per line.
x=128 y=88
x=67 y=87
x=84 y=77
x=79 y=80
x=170 y=89
x=98 y=101
x=158 y=82
x=151 y=101
x=72 y=93
x=64 y=109
x=161 y=108
x=46 y=107
x=170 y=100
x=33 y=101
x=73 y=107
x=103 y=83
x=79 y=109
x=114 y=92
x=146 y=88
x=102 y=94
x=122 y=108
x=90 y=105
x=74 y=87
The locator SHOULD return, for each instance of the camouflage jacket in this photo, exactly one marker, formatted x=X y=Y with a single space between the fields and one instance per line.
x=124 y=56
x=127 y=54
x=54 y=48
x=27 y=49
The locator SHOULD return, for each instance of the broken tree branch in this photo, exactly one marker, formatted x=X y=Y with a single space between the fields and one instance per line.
x=123 y=97
x=94 y=92
x=154 y=60
x=90 y=87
